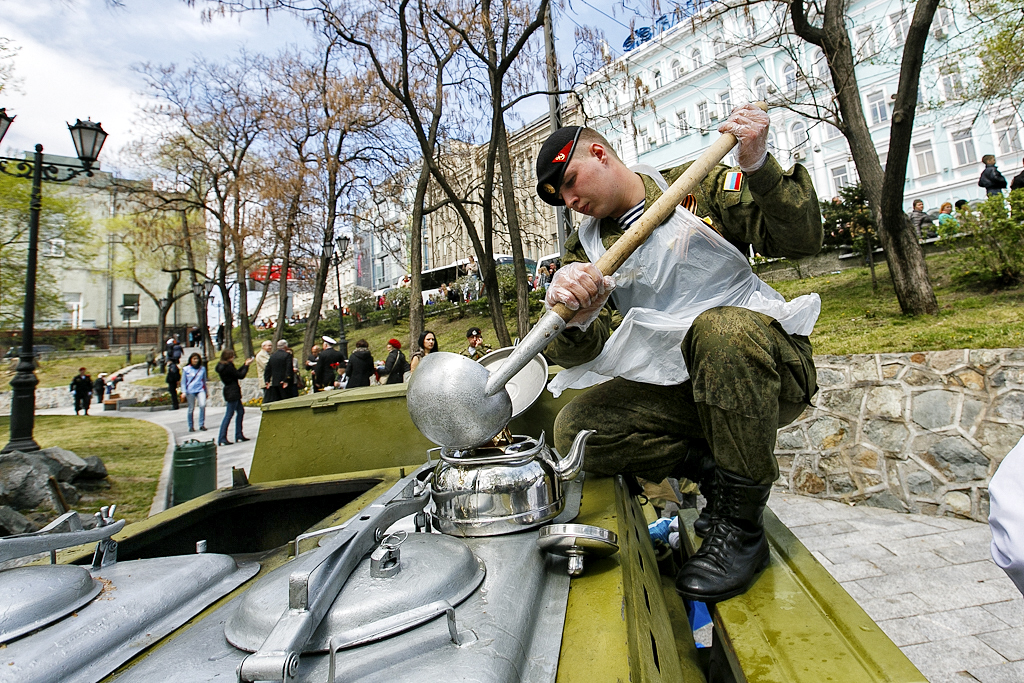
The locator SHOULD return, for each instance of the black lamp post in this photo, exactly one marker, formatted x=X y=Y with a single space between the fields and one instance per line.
x=202 y=292
x=127 y=311
x=338 y=256
x=89 y=138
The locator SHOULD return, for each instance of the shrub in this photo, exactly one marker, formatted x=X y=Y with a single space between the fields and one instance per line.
x=993 y=253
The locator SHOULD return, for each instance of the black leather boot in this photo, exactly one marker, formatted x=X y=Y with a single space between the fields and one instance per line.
x=735 y=549
x=705 y=473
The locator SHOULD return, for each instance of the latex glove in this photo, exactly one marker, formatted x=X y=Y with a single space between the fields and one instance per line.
x=582 y=288
x=750 y=126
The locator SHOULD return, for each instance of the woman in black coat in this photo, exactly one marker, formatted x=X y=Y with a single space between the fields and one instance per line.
x=360 y=366
x=172 y=379
x=230 y=375
x=396 y=365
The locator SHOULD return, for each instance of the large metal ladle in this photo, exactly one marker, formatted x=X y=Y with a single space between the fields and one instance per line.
x=455 y=402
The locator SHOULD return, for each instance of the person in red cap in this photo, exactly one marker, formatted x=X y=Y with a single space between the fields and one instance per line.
x=396 y=365
x=81 y=387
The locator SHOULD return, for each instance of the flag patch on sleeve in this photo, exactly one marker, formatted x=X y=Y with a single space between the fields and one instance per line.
x=733 y=179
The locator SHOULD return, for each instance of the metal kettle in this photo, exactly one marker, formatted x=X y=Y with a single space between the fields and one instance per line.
x=501 y=490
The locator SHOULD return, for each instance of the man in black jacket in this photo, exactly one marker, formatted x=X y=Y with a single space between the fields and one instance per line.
x=991 y=179
x=81 y=386
x=1018 y=182
x=329 y=359
x=278 y=374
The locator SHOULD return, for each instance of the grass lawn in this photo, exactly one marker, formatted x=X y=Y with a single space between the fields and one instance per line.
x=132 y=450
x=59 y=371
x=853 y=320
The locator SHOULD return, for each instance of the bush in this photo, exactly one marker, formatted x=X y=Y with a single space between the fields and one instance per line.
x=994 y=252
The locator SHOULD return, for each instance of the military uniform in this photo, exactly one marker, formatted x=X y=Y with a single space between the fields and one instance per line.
x=748 y=376
x=477 y=352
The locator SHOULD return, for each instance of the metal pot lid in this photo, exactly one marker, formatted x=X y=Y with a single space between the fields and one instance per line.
x=563 y=539
x=37 y=596
x=433 y=567
x=526 y=386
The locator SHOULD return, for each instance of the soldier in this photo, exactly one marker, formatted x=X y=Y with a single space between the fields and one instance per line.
x=476 y=349
x=707 y=361
x=329 y=361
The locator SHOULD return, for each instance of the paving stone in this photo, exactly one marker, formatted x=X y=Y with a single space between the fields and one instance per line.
x=1007 y=642
x=970 y=621
x=954 y=654
x=1010 y=611
x=914 y=630
x=1011 y=672
x=826 y=529
x=958 y=677
x=856 y=592
x=894 y=606
x=869 y=552
x=978 y=594
x=910 y=563
x=853 y=571
x=960 y=554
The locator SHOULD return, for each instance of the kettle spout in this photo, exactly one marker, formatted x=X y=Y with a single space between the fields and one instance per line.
x=569 y=466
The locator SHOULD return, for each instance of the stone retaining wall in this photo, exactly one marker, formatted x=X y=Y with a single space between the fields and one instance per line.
x=915 y=432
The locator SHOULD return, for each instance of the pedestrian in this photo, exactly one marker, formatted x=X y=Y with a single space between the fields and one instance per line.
x=81 y=387
x=476 y=348
x=297 y=381
x=230 y=376
x=99 y=387
x=1018 y=182
x=150 y=360
x=396 y=365
x=193 y=383
x=428 y=345
x=991 y=179
x=314 y=354
x=278 y=376
x=919 y=219
x=220 y=336
x=172 y=378
x=360 y=366
x=329 y=362
x=947 y=222
x=262 y=356
x=708 y=361
x=174 y=350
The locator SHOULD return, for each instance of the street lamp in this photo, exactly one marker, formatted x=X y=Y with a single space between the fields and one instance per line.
x=338 y=256
x=127 y=311
x=88 y=138
x=202 y=292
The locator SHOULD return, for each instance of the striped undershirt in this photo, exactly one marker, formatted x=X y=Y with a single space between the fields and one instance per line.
x=627 y=219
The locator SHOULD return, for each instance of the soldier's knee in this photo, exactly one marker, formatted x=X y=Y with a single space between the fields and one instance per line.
x=727 y=334
x=570 y=420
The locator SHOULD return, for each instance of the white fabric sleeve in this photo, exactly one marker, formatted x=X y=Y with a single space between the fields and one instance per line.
x=1006 y=515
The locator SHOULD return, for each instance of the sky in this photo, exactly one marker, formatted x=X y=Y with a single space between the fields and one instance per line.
x=77 y=58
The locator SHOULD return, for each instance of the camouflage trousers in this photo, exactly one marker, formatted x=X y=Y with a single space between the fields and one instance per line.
x=748 y=377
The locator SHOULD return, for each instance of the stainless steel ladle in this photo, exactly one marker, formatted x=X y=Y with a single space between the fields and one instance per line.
x=455 y=402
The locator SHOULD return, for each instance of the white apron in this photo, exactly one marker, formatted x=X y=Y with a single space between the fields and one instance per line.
x=683 y=269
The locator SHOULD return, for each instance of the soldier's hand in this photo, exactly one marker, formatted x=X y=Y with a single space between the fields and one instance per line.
x=750 y=126
x=582 y=288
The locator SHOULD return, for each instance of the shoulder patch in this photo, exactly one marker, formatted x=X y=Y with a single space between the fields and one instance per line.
x=733 y=181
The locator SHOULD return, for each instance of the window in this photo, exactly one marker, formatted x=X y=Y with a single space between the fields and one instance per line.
x=789 y=78
x=72 y=314
x=751 y=27
x=865 y=42
x=718 y=45
x=821 y=66
x=800 y=139
x=963 y=143
x=952 y=87
x=831 y=132
x=677 y=69
x=657 y=79
x=54 y=248
x=695 y=56
x=724 y=104
x=877 y=108
x=663 y=132
x=925 y=158
x=772 y=147
x=760 y=89
x=900 y=27
x=645 y=142
x=703 y=116
x=682 y=125
x=943 y=18
x=840 y=178
x=1006 y=133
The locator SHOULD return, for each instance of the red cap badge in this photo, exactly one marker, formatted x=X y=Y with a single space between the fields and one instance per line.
x=564 y=153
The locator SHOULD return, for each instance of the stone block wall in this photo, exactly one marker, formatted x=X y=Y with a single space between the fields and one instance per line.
x=915 y=432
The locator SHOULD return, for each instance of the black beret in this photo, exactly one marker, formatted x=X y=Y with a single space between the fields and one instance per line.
x=552 y=161
x=473 y=332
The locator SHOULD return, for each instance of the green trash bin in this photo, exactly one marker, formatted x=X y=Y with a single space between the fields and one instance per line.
x=194 y=470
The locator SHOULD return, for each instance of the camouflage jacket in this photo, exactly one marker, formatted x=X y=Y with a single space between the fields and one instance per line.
x=775 y=212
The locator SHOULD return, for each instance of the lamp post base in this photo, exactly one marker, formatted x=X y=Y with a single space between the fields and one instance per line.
x=23 y=407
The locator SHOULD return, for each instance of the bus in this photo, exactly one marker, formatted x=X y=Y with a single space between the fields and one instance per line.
x=431 y=280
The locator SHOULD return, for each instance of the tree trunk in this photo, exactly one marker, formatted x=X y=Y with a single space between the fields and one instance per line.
x=416 y=260
x=514 y=233
x=240 y=278
x=282 y=280
x=323 y=269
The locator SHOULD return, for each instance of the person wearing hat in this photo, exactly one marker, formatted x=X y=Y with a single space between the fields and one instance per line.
x=81 y=387
x=476 y=348
x=706 y=361
x=327 y=363
x=396 y=365
x=99 y=387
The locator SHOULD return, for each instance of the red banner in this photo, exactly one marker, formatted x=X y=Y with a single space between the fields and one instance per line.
x=260 y=274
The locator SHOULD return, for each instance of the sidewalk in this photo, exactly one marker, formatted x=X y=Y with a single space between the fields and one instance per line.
x=929 y=582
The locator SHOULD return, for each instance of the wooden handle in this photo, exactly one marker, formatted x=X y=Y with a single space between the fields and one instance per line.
x=660 y=210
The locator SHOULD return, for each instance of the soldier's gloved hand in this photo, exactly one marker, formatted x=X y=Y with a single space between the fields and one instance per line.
x=582 y=288
x=750 y=126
